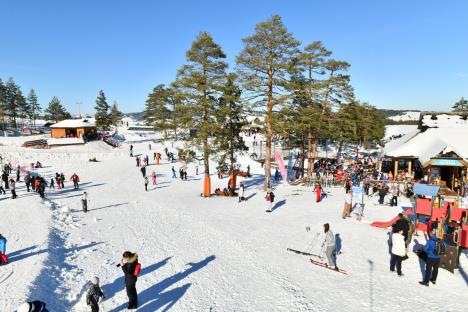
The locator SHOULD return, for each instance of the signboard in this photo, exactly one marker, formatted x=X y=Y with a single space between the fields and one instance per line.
x=447 y=162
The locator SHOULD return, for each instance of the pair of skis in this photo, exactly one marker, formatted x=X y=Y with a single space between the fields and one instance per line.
x=317 y=263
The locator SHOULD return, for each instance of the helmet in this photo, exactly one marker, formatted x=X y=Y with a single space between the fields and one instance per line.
x=25 y=307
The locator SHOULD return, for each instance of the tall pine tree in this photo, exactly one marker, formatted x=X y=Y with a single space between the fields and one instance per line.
x=230 y=121
x=115 y=115
x=264 y=65
x=55 y=111
x=2 y=104
x=34 y=107
x=200 y=82
x=103 y=120
x=461 y=106
x=156 y=111
x=11 y=101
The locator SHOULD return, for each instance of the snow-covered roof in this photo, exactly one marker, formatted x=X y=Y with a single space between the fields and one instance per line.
x=74 y=123
x=433 y=141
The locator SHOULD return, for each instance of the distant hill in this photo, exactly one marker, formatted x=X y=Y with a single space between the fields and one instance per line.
x=135 y=116
x=397 y=112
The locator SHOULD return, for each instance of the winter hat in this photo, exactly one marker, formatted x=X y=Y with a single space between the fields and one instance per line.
x=95 y=280
x=25 y=307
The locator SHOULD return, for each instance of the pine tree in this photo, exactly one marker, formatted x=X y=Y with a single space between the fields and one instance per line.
x=199 y=82
x=23 y=106
x=2 y=103
x=263 y=68
x=11 y=101
x=230 y=121
x=34 y=107
x=103 y=118
x=156 y=111
x=461 y=106
x=55 y=111
x=115 y=115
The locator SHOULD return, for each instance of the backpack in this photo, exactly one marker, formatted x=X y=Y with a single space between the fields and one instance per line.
x=137 y=269
x=439 y=248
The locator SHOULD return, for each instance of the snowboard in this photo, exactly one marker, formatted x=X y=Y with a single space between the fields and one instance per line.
x=320 y=264
x=303 y=253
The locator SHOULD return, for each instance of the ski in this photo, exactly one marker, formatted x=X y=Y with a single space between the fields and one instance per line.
x=303 y=253
x=320 y=264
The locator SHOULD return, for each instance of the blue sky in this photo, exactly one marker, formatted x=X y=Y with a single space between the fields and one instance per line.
x=404 y=54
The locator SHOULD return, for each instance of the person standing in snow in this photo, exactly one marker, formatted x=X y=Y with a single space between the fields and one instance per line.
x=5 y=179
x=149 y=146
x=84 y=202
x=52 y=183
x=27 y=181
x=433 y=253
x=269 y=197
x=13 y=188
x=146 y=183
x=143 y=171
x=131 y=269
x=62 y=179
x=173 y=173
x=329 y=246
x=318 y=193
x=3 y=257
x=2 y=189
x=18 y=171
x=196 y=170
x=241 y=192
x=137 y=161
x=153 y=177
x=131 y=150
x=33 y=306
x=398 y=251
x=94 y=295
x=75 y=179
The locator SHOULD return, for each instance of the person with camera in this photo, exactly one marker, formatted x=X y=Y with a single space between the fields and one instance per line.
x=131 y=269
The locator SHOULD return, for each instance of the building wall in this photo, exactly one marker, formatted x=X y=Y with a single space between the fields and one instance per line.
x=57 y=133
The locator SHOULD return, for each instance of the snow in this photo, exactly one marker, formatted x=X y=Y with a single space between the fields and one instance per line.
x=406 y=116
x=433 y=141
x=65 y=141
x=445 y=121
x=197 y=254
x=75 y=123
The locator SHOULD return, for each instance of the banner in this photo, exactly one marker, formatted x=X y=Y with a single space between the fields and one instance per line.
x=280 y=162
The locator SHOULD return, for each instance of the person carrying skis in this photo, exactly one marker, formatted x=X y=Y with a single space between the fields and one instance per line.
x=94 y=295
x=84 y=202
x=75 y=178
x=153 y=177
x=146 y=183
x=329 y=246
x=33 y=306
x=131 y=269
x=3 y=256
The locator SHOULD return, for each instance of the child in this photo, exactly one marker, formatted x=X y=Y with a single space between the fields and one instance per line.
x=84 y=202
x=146 y=183
x=153 y=177
x=52 y=184
x=94 y=295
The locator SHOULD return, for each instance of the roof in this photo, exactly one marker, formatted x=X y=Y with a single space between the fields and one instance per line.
x=432 y=142
x=74 y=123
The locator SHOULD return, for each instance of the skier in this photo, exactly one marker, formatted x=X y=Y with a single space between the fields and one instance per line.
x=149 y=146
x=33 y=306
x=173 y=173
x=94 y=295
x=153 y=177
x=5 y=179
x=3 y=256
x=52 y=184
x=146 y=183
x=196 y=170
x=138 y=161
x=143 y=171
x=398 y=251
x=12 y=188
x=330 y=246
x=241 y=192
x=131 y=269
x=84 y=202
x=75 y=178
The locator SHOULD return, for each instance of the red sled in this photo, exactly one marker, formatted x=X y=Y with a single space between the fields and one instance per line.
x=3 y=259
